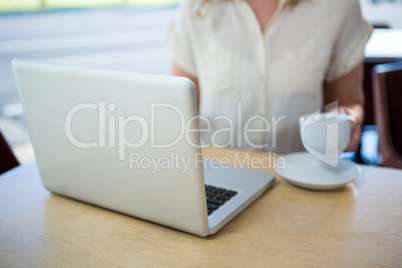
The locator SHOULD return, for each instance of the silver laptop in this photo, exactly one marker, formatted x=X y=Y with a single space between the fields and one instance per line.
x=130 y=142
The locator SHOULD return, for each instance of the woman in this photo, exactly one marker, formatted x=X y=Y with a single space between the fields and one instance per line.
x=258 y=65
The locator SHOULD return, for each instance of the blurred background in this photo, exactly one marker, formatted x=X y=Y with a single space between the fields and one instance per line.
x=117 y=34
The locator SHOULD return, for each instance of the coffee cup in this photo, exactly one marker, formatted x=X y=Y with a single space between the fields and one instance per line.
x=325 y=136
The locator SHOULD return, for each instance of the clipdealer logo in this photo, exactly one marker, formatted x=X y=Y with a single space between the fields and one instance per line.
x=112 y=131
x=119 y=126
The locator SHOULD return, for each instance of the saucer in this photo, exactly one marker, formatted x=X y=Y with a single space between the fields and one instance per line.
x=304 y=170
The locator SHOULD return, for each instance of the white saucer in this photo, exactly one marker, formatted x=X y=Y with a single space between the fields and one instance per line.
x=303 y=170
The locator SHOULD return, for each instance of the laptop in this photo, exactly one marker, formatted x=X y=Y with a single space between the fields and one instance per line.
x=130 y=143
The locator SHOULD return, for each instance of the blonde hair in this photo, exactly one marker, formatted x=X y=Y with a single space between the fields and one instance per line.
x=291 y=3
x=287 y=4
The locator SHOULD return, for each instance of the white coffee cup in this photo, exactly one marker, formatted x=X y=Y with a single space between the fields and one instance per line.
x=325 y=135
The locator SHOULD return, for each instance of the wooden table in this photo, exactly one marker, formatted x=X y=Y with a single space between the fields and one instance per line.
x=358 y=226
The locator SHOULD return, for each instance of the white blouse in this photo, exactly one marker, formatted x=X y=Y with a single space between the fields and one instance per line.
x=254 y=84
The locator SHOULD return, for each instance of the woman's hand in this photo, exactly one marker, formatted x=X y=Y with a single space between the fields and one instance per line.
x=356 y=125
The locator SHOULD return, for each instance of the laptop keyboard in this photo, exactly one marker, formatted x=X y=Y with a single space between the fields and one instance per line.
x=217 y=196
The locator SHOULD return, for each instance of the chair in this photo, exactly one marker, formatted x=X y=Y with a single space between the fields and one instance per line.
x=381 y=25
x=7 y=158
x=387 y=92
x=368 y=83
